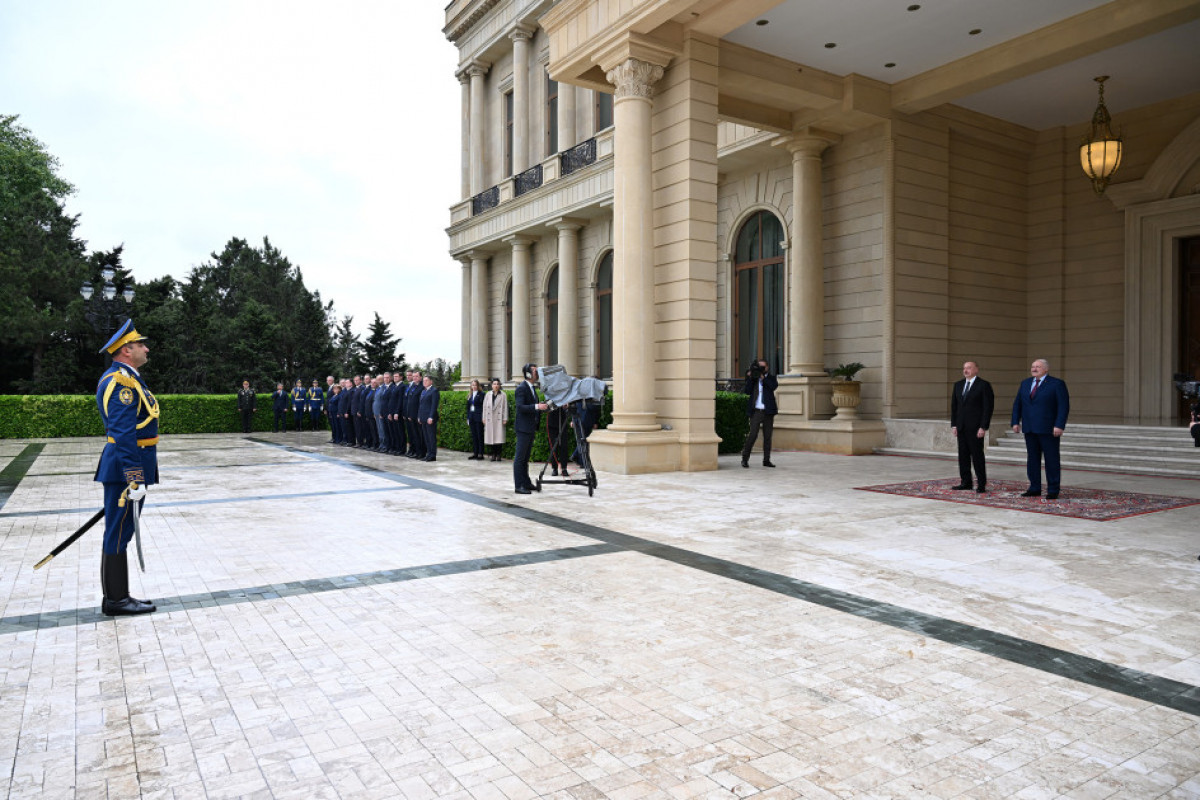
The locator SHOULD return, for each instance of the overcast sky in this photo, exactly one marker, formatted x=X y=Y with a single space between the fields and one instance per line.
x=331 y=128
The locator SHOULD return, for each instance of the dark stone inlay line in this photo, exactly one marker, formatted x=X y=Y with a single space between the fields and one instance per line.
x=214 y=501
x=168 y=449
x=172 y=468
x=274 y=591
x=1130 y=682
x=14 y=471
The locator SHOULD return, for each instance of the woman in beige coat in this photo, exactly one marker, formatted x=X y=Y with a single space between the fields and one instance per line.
x=495 y=417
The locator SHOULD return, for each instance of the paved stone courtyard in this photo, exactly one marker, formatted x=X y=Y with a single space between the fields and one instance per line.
x=335 y=623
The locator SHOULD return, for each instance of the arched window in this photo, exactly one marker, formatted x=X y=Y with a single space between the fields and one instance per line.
x=758 y=299
x=552 y=318
x=506 y=368
x=604 y=324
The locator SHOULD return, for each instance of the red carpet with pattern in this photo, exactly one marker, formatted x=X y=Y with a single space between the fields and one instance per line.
x=1101 y=505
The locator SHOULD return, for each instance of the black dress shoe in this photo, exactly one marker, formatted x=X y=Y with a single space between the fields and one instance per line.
x=1031 y=493
x=430 y=458
x=1051 y=495
x=962 y=486
x=523 y=490
x=554 y=472
x=768 y=464
x=125 y=608
x=745 y=464
x=980 y=490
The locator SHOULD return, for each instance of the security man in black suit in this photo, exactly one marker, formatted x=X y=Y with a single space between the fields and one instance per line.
x=971 y=405
x=761 y=408
x=529 y=410
x=427 y=410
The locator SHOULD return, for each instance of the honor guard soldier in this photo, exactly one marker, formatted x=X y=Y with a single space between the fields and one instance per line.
x=128 y=464
x=299 y=403
x=316 y=404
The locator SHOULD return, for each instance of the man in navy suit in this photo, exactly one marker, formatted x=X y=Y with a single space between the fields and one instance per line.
x=526 y=423
x=427 y=410
x=971 y=405
x=1040 y=411
x=412 y=411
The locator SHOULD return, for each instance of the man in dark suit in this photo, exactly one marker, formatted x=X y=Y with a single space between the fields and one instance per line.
x=428 y=413
x=971 y=405
x=528 y=414
x=1040 y=411
x=761 y=408
x=412 y=403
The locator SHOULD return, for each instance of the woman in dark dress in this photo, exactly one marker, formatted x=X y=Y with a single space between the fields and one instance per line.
x=475 y=420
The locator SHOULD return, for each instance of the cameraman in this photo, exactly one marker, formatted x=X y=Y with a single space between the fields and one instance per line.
x=760 y=389
x=1194 y=426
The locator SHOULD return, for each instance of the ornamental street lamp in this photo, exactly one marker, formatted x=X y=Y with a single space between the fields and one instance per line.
x=103 y=310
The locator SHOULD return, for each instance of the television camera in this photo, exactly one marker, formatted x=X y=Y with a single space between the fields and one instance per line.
x=573 y=395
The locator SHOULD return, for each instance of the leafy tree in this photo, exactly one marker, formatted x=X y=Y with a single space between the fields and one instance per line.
x=443 y=373
x=41 y=264
x=379 y=350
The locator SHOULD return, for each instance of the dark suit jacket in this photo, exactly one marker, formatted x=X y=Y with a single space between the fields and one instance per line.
x=395 y=400
x=428 y=407
x=769 y=384
x=974 y=411
x=1045 y=412
x=412 y=400
x=527 y=412
x=476 y=399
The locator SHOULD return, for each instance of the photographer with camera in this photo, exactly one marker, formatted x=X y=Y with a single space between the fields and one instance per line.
x=760 y=389
x=529 y=409
x=1194 y=425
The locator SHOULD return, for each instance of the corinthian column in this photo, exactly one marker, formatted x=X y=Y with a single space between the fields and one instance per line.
x=566 y=117
x=806 y=323
x=479 y=309
x=465 y=82
x=568 y=293
x=478 y=110
x=520 y=39
x=520 y=304
x=466 y=314
x=633 y=246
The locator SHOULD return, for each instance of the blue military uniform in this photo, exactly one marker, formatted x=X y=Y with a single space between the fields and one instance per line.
x=316 y=405
x=299 y=403
x=129 y=460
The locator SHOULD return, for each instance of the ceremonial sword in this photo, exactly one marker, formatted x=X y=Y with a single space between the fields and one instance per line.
x=70 y=540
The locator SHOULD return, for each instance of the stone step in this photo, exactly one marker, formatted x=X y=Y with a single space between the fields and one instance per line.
x=1179 y=446
x=1169 y=466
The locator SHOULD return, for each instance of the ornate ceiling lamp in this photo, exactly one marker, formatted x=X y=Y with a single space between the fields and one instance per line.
x=1100 y=152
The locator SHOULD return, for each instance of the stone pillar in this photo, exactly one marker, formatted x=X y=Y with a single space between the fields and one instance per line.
x=806 y=323
x=520 y=304
x=520 y=39
x=568 y=293
x=566 y=117
x=478 y=113
x=633 y=245
x=466 y=315
x=479 y=315
x=464 y=81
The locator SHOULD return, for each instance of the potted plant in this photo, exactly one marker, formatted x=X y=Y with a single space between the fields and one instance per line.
x=847 y=392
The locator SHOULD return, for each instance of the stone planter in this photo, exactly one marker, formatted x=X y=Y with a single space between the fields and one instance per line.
x=846 y=397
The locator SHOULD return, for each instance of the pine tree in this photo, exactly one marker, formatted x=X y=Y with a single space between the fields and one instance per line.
x=379 y=350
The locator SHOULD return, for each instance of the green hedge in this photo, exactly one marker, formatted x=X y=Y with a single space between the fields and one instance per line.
x=49 y=416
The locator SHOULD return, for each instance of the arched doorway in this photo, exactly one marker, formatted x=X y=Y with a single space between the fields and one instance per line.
x=552 y=317
x=758 y=292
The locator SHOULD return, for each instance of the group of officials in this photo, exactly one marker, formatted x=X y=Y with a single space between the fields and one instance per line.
x=388 y=413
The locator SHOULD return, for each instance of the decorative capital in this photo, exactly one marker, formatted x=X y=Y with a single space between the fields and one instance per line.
x=477 y=69
x=634 y=78
x=810 y=143
x=521 y=32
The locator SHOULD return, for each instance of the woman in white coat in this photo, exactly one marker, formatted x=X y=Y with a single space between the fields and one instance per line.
x=495 y=418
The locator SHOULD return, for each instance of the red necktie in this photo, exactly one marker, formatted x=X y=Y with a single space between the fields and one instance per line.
x=1033 y=394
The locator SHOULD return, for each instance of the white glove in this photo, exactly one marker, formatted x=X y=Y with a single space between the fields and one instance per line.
x=137 y=491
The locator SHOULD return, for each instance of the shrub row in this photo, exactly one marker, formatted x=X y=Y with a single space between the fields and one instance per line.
x=50 y=416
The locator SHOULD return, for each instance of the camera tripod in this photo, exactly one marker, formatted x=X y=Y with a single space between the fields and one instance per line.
x=587 y=474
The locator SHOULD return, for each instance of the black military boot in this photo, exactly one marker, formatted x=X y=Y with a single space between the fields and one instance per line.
x=114 y=578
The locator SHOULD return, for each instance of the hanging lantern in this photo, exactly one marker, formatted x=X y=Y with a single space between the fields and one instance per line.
x=1100 y=152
